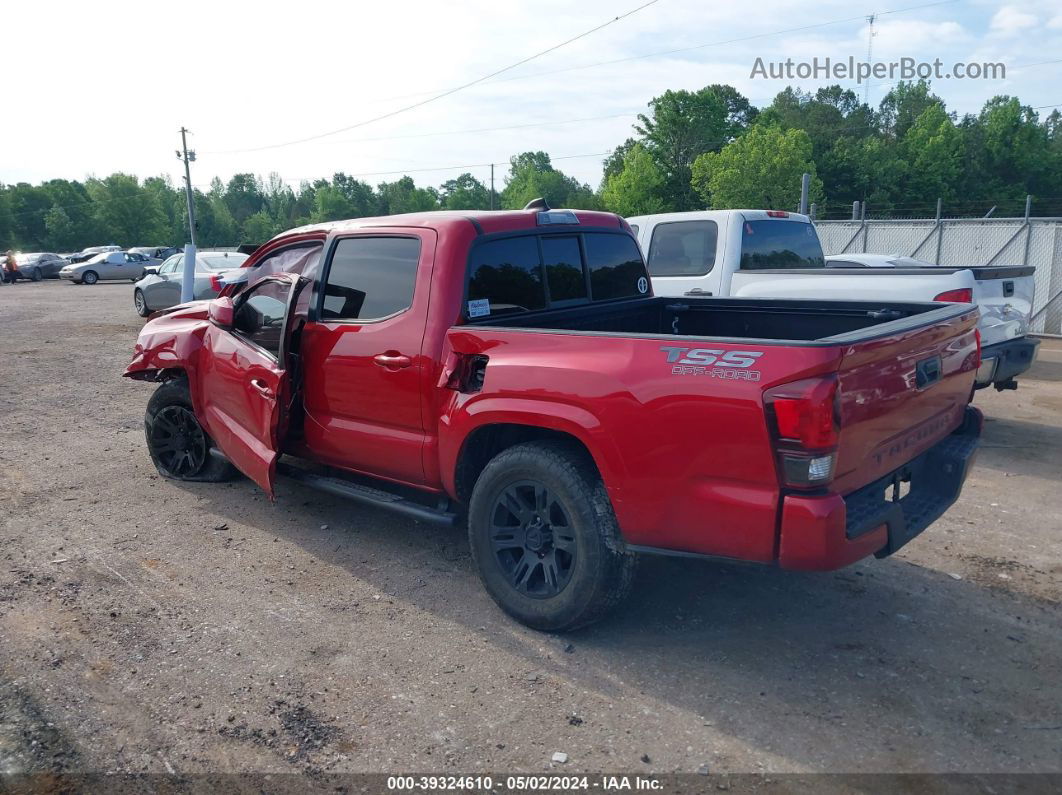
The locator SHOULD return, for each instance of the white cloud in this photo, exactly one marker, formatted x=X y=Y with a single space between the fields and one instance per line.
x=1011 y=20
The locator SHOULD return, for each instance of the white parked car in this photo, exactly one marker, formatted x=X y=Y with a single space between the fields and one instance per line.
x=777 y=254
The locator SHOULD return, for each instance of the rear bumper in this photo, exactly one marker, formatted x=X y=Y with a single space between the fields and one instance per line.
x=827 y=532
x=1005 y=360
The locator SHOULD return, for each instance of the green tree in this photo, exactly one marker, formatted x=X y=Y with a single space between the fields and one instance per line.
x=29 y=205
x=360 y=196
x=835 y=121
x=126 y=214
x=871 y=170
x=762 y=168
x=638 y=188
x=932 y=148
x=464 y=192
x=244 y=197
x=60 y=232
x=903 y=105
x=330 y=204
x=222 y=230
x=613 y=164
x=7 y=230
x=532 y=176
x=173 y=204
x=258 y=228
x=403 y=196
x=683 y=125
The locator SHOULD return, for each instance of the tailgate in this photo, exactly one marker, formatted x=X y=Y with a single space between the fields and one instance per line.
x=836 y=284
x=1005 y=297
x=900 y=394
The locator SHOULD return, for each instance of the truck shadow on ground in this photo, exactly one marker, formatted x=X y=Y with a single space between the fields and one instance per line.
x=884 y=660
x=1044 y=370
x=1021 y=447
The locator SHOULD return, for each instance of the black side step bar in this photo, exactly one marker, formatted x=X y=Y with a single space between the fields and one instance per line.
x=367 y=495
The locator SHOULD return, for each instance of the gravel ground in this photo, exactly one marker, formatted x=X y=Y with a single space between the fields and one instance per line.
x=150 y=626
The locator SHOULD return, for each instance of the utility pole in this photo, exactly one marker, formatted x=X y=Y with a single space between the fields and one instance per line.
x=870 y=51
x=188 y=276
x=492 y=186
x=805 y=186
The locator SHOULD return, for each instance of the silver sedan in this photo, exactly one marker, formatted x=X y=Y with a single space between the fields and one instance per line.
x=163 y=289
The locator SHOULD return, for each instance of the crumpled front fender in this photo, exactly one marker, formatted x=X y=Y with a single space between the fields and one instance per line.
x=169 y=342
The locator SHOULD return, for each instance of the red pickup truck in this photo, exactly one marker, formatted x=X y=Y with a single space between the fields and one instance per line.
x=514 y=369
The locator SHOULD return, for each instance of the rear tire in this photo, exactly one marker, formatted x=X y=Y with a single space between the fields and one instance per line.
x=544 y=537
x=89 y=277
x=177 y=443
x=140 y=303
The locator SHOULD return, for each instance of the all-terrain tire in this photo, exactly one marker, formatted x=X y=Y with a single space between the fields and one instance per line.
x=600 y=569
x=171 y=406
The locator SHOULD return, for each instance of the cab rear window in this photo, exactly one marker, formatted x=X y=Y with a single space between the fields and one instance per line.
x=772 y=244
x=531 y=272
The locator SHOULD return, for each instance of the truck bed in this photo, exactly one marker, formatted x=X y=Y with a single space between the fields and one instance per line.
x=809 y=322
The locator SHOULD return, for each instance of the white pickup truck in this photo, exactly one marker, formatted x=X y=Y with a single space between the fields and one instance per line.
x=777 y=254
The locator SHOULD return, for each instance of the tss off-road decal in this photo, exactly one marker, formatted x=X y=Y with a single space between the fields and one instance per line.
x=713 y=362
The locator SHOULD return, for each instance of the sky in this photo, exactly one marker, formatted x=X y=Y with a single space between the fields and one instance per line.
x=106 y=86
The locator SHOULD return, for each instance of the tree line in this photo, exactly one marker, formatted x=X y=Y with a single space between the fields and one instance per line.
x=692 y=149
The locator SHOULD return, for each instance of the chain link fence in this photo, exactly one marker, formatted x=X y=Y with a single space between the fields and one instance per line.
x=966 y=242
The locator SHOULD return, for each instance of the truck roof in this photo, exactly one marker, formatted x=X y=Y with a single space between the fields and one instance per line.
x=485 y=221
x=716 y=215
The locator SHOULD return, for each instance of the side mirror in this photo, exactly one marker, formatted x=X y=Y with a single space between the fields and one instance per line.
x=221 y=312
x=151 y=271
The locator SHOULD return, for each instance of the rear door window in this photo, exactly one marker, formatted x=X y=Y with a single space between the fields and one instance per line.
x=505 y=276
x=772 y=244
x=683 y=248
x=370 y=278
x=529 y=272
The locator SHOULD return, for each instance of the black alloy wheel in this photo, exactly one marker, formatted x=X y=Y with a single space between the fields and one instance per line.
x=178 y=442
x=532 y=538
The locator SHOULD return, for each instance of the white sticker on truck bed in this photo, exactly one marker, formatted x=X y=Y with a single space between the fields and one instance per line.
x=479 y=308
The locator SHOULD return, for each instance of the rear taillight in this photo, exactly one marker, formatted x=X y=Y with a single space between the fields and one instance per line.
x=777 y=214
x=805 y=422
x=215 y=283
x=963 y=295
x=977 y=338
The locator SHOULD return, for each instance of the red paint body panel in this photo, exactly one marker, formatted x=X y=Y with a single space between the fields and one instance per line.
x=689 y=462
x=813 y=535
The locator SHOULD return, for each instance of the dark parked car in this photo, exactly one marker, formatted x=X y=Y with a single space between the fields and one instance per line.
x=88 y=253
x=39 y=266
x=155 y=253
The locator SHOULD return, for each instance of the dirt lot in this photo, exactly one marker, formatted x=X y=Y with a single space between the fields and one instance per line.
x=151 y=626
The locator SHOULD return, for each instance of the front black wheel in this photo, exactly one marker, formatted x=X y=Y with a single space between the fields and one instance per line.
x=36 y=275
x=544 y=537
x=179 y=447
x=89 y=277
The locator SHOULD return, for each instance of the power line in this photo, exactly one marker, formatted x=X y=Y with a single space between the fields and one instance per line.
x=445 y=168
x=487 y=129
x=721 y=43
x=453 y=90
